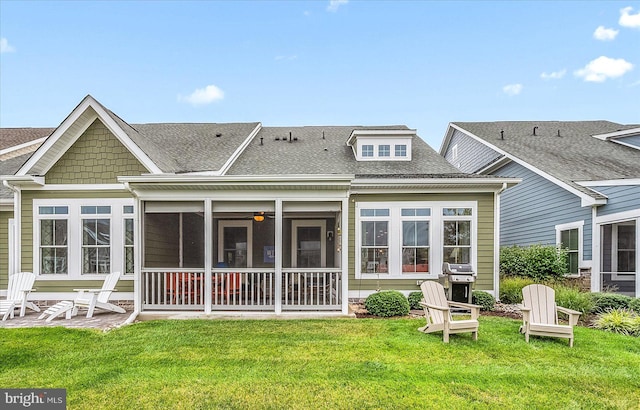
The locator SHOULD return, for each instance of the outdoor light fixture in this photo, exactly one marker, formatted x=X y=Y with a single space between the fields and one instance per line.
x=258 y=216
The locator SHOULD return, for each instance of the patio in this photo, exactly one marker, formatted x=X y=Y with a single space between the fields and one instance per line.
x=101 y=320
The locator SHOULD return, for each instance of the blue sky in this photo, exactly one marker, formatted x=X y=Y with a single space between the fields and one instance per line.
x=418 y=63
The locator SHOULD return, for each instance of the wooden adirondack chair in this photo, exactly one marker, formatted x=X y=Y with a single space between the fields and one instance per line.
x=438 y=313
x=97 y=298
x=540 y=314
x=20 y=285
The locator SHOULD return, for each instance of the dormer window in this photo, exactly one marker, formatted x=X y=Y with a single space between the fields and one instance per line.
x=381 y=145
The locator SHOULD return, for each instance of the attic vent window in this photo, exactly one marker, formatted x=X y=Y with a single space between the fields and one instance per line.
x=367 y=150
x=401 y=150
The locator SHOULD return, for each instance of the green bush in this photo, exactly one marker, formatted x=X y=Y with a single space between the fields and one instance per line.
x=387 y=303
x=573 y=298
x=414 y=300
x=621 y=321
x=537 y=262
x=484 y=299
x=604 y=301
x=635 y=305
x=511 y=289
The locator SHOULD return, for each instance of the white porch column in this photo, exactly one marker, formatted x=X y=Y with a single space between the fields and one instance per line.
x=208 y=253
x=137 y=252
x=278 y=261
x=344 y=252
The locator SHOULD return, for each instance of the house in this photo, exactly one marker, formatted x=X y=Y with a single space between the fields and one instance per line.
x=580 y=189
x=244 y=218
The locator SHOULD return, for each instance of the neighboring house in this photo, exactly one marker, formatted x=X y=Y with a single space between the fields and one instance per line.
x=245 y=218
x=580 y=189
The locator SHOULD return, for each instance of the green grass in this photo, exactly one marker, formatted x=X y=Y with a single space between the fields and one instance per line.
x=322 y=364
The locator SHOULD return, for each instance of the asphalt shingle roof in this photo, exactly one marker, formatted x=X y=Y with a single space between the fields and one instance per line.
x=323 y=150
x=10 y=137
x=574 y=155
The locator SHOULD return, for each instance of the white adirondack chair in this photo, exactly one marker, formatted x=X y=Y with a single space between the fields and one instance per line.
x=438 y=313
x=20 y=285
x=540 y=314
x=97 y=298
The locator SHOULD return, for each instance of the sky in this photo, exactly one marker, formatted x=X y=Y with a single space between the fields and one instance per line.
x=422 y=64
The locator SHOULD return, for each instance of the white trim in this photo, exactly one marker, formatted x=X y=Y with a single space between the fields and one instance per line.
x=248 y=224
x=100 y=113
x=21 y=146
x=223 y=170
x=617 y=134
x=12 y=246
x=381 y=133
x=311 y=223
x=617 y=217
x=585 y=199
x=610 y=182
x=579 y=225
x=436 y=227
x=72 y=295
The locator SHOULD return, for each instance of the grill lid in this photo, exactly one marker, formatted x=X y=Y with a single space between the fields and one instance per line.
x=457 y=269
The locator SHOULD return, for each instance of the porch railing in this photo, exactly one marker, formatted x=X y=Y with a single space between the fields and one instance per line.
x=244 y=289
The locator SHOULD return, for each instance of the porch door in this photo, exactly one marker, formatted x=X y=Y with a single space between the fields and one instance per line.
x=235 y=244
x=618 y=257
x=309 y=246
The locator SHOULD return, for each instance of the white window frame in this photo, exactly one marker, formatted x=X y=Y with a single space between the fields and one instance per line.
x=436 y=231
x=377 y=142
x=579 y=225
x=74 y=235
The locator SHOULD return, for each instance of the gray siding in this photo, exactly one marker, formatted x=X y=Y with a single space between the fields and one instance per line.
x=634 y=140
x=472 y=155
x=530 y=211
x=620 y=198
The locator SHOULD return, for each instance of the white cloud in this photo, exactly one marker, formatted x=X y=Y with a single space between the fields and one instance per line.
x=629 y=20
x=5 y=47
x=512 y=89
x=291 y=57
x=605 y=34
x=602 y=68
x=556 y=75
x=334 y=5
x=203 y=96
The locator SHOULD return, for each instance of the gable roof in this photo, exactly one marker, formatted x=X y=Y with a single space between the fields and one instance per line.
x=561 y=150
x=324 y=150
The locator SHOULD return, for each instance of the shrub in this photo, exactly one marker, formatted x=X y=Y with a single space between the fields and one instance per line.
x=621 y=321
x=484 y=299
x=604 y=301
x=387 y=303
x=414 y=300
x=635 y=305
x=573 y=298
x=511 y=289
x=537 y=262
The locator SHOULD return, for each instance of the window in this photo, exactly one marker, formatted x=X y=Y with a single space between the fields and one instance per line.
x=401 y=150
x=374 y=240
x=456 y=237
x=569 y=241
x=96 y=240
x=367 y=150
x=81 y=238
x=384 y=150
x=54 y=239
x=413 y=239
x=569 y=237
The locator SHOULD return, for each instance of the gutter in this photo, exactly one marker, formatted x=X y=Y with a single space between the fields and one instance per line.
x=17 y=217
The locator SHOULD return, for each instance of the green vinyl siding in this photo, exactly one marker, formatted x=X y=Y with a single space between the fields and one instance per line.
x=4 y=248
x=485 y=245
x=69 y=285
x=97 y=157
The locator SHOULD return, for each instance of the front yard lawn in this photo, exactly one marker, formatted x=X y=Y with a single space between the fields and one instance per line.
x=321 y=364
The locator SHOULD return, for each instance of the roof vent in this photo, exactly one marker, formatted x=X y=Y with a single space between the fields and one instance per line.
x=534 y=130
x=558 y=133
x=218 y=135
x=501 y=134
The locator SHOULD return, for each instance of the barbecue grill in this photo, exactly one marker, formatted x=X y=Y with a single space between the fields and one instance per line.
x=458 y=279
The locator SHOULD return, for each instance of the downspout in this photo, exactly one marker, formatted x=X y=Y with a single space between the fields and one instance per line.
x=136 y=257
x=496 y=240
x=17 y=210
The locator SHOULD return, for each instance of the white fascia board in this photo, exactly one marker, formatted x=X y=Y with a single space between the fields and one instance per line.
x=445 y=141
x=610 y=182
x=240 y=150
x=586 y=200
x=617 y=134
x=21 y=146
x=86 y=103
x=433 y=185
x=235 y=179
x=22 y=181
x=381 y=133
